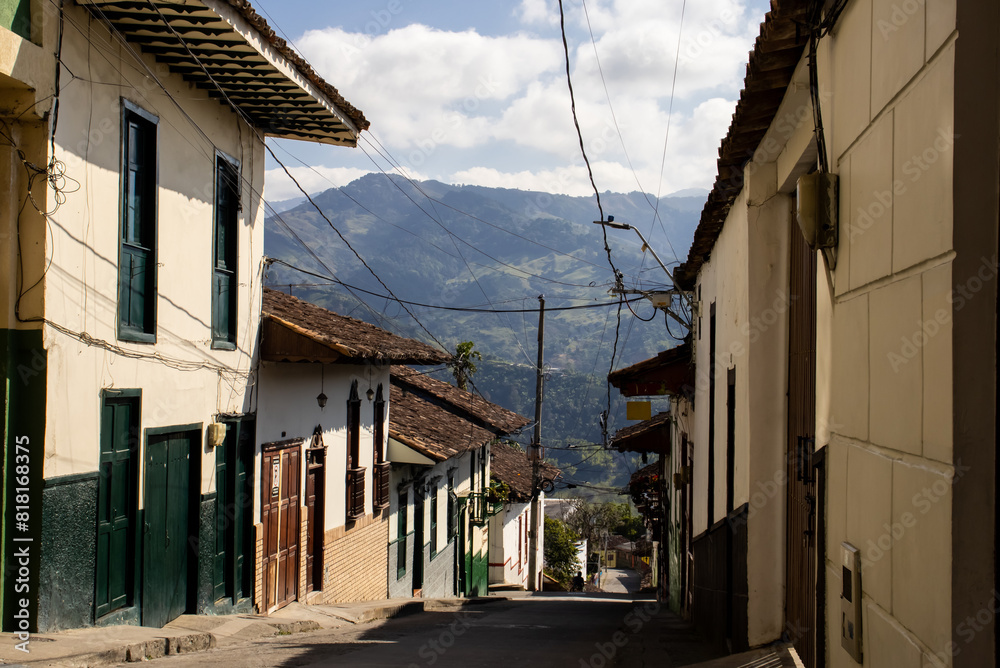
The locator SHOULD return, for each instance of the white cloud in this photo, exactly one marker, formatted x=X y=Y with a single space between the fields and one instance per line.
x=545 y=12
x=690 y=159
x=462 y=106
x=418 y=83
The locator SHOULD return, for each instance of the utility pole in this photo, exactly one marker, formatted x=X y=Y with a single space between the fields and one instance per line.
x=535 y=454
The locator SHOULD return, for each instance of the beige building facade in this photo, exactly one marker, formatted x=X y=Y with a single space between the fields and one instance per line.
x=845 y=396
x=131 y=276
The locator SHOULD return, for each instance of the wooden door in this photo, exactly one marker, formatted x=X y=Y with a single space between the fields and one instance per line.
x=117 y=504
x=687 y=556
x=280 y=517
x=800 y=559
x=167 y=531
x=234 y=547
x=315 y=503
x=418 y=541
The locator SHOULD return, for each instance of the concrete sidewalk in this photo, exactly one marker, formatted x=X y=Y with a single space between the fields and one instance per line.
x=112 y=645
x=667 y=641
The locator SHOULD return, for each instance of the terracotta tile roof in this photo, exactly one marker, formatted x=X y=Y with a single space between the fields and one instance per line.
x=247 y=11
x=777 y=51
x=343 y=338
x=645 y=472
x=510 y=465
x=491 y=416
x=670 y=372
x=429 y=428
x=646 y=436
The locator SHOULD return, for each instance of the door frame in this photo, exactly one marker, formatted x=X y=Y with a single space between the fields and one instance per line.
x=133 y=396
x=801 y=555
x=417 y=580
x=315 y=460
x=279 y=448
x=193 y=432
x=233 y=502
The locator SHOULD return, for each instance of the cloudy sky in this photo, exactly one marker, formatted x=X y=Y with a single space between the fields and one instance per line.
x=475 y=92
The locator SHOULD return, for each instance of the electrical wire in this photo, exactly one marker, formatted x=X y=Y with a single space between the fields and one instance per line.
x=464 y=309
x=241 y=114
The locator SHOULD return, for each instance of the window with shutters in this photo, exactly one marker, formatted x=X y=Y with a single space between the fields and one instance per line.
x=355 y=472
x=380 y=478
x=137 y=248
x=452 y=509
x=401 y=529
x=224 y=257
x=434 y=521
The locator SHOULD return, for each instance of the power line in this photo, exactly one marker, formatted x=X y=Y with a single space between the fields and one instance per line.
x=241 y=114
x=464 y=309
x=666 y=136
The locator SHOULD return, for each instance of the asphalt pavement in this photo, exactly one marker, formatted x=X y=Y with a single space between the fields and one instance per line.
x=517 y=629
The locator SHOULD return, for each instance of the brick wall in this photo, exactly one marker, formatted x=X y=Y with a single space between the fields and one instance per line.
x=303 y=550
x=356 y=561
x=258 y=565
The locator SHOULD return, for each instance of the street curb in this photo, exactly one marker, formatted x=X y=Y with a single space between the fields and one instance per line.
x=293 y=626
x=156 y=648
x=146 y=650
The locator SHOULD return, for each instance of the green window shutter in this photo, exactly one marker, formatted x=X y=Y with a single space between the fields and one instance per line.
x=401 y=509
x=434 y=521
x=225 y=240
x=137 y=255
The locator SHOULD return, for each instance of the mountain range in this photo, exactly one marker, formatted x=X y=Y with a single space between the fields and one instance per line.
x=443 y=248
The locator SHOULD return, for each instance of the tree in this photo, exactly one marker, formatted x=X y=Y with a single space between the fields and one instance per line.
x=560 y=550
x=462 y=365
x=595 y=520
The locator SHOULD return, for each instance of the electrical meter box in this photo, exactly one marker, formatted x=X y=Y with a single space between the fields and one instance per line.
x=850 y=602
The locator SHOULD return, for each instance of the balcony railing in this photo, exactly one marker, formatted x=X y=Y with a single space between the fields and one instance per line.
x=483 y=506
x=355 y=493
x=381 y=476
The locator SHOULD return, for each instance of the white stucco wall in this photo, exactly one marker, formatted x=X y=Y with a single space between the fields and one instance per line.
x=287 y=409
x=81 y=283
x=723 y=280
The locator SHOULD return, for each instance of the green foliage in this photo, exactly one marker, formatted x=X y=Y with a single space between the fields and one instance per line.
x=462 y=365
x=560 y=550
x=595 y=520
x=631 y=527
x=521 y=232
x=498 y=491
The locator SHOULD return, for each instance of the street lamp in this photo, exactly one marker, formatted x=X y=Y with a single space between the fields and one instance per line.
x=659 y=299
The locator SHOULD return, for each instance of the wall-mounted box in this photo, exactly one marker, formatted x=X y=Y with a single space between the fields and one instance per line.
x=850 y=602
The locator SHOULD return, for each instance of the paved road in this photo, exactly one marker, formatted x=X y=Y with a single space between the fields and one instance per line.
x=621 y=581
x=574 y=630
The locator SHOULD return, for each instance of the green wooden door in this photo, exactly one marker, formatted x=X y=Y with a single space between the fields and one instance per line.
x=223 y=520
x=234 y=547
x=116 y=505
x=167 y=528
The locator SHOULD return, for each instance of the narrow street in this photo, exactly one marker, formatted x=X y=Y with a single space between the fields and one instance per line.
x=543 y=630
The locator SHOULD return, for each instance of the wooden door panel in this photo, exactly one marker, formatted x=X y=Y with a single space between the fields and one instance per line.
x=800 y=560
x=280 y=515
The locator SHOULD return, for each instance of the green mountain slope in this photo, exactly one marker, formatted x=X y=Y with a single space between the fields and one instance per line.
x=495 y=249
